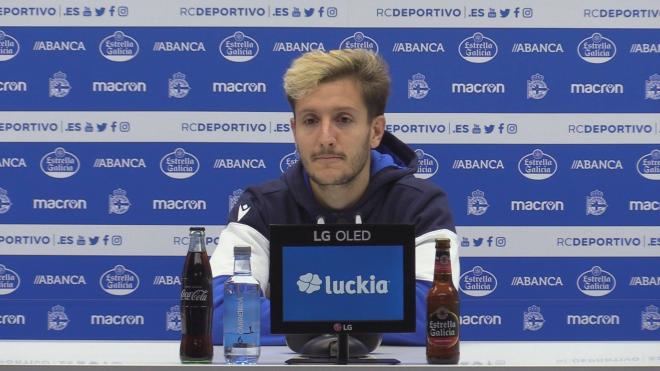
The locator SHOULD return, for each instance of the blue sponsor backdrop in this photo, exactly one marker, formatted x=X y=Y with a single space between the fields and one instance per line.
x=130 y=69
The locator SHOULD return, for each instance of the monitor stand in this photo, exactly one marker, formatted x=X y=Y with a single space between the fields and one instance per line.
x=343 y=358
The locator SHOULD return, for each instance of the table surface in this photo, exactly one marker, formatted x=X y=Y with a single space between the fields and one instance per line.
x=164 y=355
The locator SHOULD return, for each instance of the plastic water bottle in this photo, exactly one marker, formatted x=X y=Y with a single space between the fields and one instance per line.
x=241 y=317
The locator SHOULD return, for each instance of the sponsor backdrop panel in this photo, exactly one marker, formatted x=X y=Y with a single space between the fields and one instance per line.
x=129 y=124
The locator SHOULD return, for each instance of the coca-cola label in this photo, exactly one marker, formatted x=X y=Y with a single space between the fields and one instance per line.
x=442 y=328
x=194 y=294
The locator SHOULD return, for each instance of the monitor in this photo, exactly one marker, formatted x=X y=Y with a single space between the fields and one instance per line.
x=342 y=278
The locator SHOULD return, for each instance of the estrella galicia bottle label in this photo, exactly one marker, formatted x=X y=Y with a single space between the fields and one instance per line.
x=442 y=328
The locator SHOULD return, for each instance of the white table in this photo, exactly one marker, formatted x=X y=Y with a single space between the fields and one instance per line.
x=164 y=356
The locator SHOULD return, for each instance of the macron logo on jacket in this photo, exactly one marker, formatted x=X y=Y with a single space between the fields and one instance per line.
x=242 y=211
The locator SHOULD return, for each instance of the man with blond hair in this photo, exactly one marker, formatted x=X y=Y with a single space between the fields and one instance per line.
x=351 y=170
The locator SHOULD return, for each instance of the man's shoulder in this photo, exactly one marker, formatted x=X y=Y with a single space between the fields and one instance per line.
x=410 y=183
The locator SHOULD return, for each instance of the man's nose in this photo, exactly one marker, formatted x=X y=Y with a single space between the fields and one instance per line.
x=328 y=135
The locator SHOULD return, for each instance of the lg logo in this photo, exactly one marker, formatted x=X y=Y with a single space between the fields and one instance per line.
x=338 y=327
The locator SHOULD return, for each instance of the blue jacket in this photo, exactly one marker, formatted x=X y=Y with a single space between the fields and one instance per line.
x=394 y=196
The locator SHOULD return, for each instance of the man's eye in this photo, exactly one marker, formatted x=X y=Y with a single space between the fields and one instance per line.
x=309 y=121
x=345 y=119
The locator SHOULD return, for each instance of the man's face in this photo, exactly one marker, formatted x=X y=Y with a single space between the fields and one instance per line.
x=334 y=134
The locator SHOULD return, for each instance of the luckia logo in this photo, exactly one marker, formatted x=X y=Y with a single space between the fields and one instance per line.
x=310 y=282
x=60 y=163
x=537 y=165
x=596 y=204
x=359 y=41
x=239 y=47
x=596 y=49
x=119 y=281
x=57 y=319
x=427 y=165
x=119 y=47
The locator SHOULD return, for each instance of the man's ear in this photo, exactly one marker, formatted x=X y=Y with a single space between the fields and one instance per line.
x=377 y=130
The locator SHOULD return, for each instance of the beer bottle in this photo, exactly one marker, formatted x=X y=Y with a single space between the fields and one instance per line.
x=196 y=302
x=442 y=325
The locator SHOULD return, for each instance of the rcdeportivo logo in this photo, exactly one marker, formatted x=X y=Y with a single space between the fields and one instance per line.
x=58 y=85
x=118 y=203
x=417 y=87
x=533 y=319
x=57 y=319
x=173 y=319
x=477 y=203
x=536 y=87
x=650 y=318
x=652 y=87
x=178 y=86
x=596 y=204
x=5 y=202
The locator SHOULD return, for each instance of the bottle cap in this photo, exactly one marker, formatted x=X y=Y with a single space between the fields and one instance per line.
x=197 y=229
x=442 y=243
x=242 y=250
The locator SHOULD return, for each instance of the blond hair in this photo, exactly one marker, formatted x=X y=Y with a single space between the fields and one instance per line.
x=316 y=67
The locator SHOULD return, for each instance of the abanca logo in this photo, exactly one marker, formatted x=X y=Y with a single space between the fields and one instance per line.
x=311 y=282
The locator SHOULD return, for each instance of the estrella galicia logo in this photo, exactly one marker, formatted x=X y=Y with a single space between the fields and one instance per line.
x=173 y=319
x=178 y=86
x=359 y=41
x=650 y=318
x=648 y=165
x=119 y=47
x=118 y=203
x=9 y=47
x=596 y=204
x=5 y=202
x=60 y=163
x=536 y=87
x=119 y=281
x=477 y=48
x=239 y=47
x=57 y=319
x=652 y=89
x=478 y=282
x=596 y=49
x=417 y=87
x=596 y=282
x=289 y=160
x=477 y=203
x=427 y=165
x=58 y=85
x=234 y=197
x=533 y=319
x=179 y=164
x=309 y=283
x=537 y=165
x=9 y=280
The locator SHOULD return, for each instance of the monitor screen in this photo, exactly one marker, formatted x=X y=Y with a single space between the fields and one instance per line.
x=326 y=278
